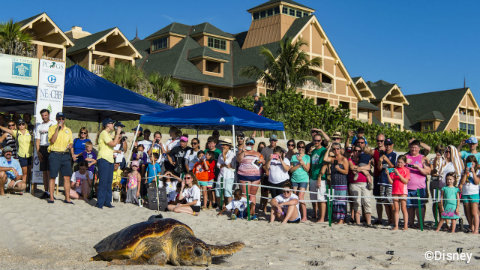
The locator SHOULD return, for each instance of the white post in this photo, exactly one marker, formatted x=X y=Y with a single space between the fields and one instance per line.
x=129 y=156
x=234 y=139
x=284 y=135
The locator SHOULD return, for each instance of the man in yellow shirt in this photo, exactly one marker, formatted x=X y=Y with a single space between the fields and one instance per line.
x=60 y=158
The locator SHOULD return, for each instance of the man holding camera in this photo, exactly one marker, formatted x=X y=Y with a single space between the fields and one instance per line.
x=385 y=165
x=60 y=157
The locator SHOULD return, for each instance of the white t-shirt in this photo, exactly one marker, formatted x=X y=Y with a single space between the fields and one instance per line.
x=225 y=172
x=41 y=132
x=281 y=199
x=146 y=145
x=241 y=205
x=470 y=188
x=82 y=177
x=277 y=174
x=171 y=189
x=172 y=143
x=192 y=194
x=191 y=158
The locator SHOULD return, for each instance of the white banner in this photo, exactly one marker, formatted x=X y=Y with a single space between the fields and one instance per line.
x=18 y=69
x=51 y=85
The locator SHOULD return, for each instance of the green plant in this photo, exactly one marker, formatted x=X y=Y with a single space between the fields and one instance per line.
x=128 y=76
x=13 y=40
x=166 y=89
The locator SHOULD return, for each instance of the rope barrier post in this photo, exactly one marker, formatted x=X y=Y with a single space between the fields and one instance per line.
x=435 y=207
x=248 y=202
x=330 y=193
x=221 y=193
x=420 y=210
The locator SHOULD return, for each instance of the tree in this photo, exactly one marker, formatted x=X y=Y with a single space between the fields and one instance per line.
x=127 y=76
x=13 y=40
x=166 y=89
x=289 y=70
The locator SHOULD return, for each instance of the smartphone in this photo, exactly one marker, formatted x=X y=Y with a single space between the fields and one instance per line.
x=390 y=170
x=410 y=166
x=275 y=156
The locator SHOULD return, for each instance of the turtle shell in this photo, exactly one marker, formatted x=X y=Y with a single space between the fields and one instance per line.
x=122 y=243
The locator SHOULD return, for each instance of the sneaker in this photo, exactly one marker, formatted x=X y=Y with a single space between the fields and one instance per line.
x=254 y=217
x=233 y=217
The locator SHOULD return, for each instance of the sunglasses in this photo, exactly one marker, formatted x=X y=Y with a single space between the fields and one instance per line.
x=380 y=140
x=63 y=118
x=22 y=124
x=11 y=125
x=358 y=151
x=83 y=132
x=301 y=147
x=250 y=143
x=286 y=191
x=290 y=144
x=194 y=143
x=336 y=148
x=187 y=178
x=317 y=140
x=361 y=142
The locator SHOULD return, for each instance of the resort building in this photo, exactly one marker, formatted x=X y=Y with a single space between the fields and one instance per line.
x=104 y=48
x=208 y=60
x=48 y=39
x=446 y=110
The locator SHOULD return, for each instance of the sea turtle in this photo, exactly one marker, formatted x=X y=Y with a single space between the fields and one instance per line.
x=160 y=241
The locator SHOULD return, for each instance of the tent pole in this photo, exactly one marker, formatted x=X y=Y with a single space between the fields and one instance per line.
x=284 y=135
x=133 y=143
x=197 y=133
x=233 y=137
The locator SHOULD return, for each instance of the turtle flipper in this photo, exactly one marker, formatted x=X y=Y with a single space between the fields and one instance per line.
x=225 y=250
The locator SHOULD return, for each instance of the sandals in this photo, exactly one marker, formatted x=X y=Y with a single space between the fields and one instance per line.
x=50 y=201
x=69 y=202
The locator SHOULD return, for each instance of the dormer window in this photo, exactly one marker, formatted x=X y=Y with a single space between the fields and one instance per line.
x=217 y=43
x=294 y=12
x=160 y=43
x=266 y=13
x=214 y=67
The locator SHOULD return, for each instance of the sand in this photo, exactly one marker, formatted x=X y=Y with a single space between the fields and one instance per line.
x=37 y=235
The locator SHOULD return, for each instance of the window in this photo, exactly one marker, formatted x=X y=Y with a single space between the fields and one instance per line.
x=217 y=43
x=256 y=16
x=270 y=12
x=299 y=14
x=305 y=14
x=263 y=14
x=427 y=126
x=285 y=10
x=463 y=127
x=467 y=128
x=321 y=101
x=214 y=67
x=344 y=105
x=276 y=10
x=291 y=12
x=160 y=43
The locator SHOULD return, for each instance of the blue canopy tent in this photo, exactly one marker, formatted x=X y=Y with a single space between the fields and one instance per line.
x=87 y=97
x=212 y=114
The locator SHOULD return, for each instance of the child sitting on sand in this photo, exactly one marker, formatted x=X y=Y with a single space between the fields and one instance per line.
x=81 y=182
x=450 y=202
x=237 y=206
x=133 y=184
x=285 y=206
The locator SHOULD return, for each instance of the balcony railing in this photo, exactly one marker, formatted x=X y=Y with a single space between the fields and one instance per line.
x=219 y=99
x=97 y=69
x=397 y=115
x=325 y=87
x=191 y=99
x=467 y=118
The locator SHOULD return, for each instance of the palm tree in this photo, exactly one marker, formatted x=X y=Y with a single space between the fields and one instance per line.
x=291 y=68
x=167 y=89
x=13 y=40
x=127 y=76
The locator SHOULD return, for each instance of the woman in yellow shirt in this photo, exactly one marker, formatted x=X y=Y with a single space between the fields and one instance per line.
x=25 y=147
x=105 y=162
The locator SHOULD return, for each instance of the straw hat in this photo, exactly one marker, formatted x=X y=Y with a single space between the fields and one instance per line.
x=226 y=141
x=337 y=135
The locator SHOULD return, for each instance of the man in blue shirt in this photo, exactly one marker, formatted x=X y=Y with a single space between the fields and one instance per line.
x=387 y=161
x=10 y=173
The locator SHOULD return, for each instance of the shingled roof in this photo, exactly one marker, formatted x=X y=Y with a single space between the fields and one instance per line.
x=85 y=42
x=177 y=28
x=278 y=1
x=438 y=105
x=26 y=21
x=380 y=88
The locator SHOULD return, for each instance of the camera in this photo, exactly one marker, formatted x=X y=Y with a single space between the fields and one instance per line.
x=385 y=166
x=410 y=165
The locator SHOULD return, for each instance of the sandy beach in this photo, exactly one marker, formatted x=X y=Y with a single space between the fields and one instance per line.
x=37 y=235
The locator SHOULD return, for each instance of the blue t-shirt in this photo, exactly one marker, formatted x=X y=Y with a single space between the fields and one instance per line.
x=13 y=163
x=93 y=155
x=465 y=154
x=384 y=178
x=151 y=174
x=79 y=145
x=364 y=158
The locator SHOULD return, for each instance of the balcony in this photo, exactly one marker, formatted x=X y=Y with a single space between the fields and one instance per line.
x=325 y=87
x=467 y=118
x=388 y=114
x=97 y=69
x=397 y=115
x=191 y=99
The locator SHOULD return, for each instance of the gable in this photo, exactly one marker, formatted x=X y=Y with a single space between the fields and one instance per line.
x=42 y=28
x=395 y=95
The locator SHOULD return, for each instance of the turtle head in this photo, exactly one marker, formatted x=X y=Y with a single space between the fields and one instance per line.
x=193 y=251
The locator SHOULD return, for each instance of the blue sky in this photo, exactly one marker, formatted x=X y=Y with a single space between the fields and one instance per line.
x=420 y=45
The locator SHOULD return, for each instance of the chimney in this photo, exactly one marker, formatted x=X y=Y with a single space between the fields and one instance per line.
x=77 y=32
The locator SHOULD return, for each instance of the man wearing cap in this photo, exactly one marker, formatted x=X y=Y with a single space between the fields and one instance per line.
x=60 y=157
x=317 y=185
x=41 y=145
x=105 y=162
x=240 y=142
x=176 y=157
x=10 y=173
x=472 y=145
x=387 y=159
x=266 y=153
x=258 y=109
x=226 y=163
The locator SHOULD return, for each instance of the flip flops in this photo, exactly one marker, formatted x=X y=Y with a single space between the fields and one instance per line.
x=69 y=202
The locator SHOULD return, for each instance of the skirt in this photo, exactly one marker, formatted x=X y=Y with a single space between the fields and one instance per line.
x=339 y=204
x=132 y=196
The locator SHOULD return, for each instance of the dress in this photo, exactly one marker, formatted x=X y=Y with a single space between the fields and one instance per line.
x=340 y=186
x=450 y=202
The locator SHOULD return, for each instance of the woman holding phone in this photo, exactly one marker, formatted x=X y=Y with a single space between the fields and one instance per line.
x=278 y=166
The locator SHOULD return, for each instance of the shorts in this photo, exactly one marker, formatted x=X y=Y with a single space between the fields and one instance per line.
x=60 y=163
x=474 y=198
x=300 y=185
x=385 y=191
x=376 y=186
x=195 y=208
x=227 y=187
x=360 y=190
x=249 y=178
x=294 y=221
x=318 y=193
x=413 y=203
x=44 y=163
x=24 y=162
x=436 y=184
x=208 y=184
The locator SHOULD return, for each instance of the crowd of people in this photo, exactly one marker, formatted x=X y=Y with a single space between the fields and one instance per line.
x=359 y=177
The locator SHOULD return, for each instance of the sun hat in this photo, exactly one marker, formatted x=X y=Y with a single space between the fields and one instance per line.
x=226 y=141
x=337 y=135
x=183 y=139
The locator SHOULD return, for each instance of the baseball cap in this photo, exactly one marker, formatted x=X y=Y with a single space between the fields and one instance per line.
x=472 y=140
x=107 y=121
x=273 y=137
x=60 y=114
x=21 y=121
x=250 y=141
x=140 y=129
x=388 y=141
x=7 y=149
x=183 y=139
